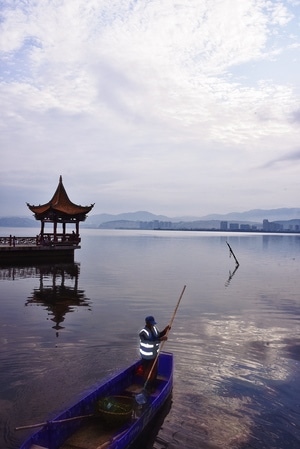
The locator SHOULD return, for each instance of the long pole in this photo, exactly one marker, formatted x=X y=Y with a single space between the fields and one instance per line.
x=32 y=426
x=231 y=252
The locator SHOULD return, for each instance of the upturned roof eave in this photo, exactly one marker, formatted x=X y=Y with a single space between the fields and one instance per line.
x=60 y=203
x=70 y=210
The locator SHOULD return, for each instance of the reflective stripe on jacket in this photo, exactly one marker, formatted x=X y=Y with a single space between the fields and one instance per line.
x=149 y=343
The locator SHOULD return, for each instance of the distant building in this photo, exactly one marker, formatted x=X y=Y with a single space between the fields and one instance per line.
x=156 y=225
x=224 y=225
x=245 y=227
x=266 y=225
x=272 y=226
x=234 y=226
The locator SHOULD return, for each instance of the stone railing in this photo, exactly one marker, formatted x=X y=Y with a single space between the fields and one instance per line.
x=15 y=241
x=47 y=240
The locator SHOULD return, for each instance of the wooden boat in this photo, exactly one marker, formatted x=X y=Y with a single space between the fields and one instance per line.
x=97 y=422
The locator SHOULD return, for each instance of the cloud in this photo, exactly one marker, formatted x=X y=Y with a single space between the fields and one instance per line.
x=148 y=102
x=289 y=158
x=296 y=116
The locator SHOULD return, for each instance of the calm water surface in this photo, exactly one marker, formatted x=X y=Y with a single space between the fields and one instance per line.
x=235 y=338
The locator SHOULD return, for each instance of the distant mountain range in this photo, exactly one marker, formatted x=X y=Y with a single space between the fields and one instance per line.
x=254 y=216
x=258 y=215
x=19 y=222
x=96 y=220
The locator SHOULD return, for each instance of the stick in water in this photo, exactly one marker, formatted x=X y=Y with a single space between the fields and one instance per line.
x=231 y=252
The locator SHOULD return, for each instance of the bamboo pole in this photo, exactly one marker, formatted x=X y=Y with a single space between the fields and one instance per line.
x=41 y=424
x=232 y=253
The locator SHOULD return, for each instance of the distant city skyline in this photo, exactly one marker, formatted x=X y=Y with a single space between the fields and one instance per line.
x=286 y=220
x=181 y=108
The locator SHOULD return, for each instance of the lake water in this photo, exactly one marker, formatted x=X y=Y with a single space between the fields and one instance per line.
x=235 y=338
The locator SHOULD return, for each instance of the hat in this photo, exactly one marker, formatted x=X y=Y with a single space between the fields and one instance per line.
x=150 y=319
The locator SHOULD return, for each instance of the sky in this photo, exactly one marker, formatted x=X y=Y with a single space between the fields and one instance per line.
x=177 y=107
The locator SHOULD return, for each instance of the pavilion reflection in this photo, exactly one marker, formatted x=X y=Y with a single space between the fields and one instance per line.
x=58 y=292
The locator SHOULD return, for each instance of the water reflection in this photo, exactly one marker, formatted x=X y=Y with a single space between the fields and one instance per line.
x=58 y=292
x=231 y=274
x=241 y=378
x=12 y=273
x=236 y=346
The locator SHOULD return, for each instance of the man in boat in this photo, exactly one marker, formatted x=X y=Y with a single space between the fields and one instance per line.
x=150 y=338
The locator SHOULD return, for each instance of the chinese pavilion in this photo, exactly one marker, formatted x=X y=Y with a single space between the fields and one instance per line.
x=60 y=211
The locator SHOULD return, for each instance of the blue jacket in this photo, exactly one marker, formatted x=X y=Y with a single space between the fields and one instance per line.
x=149 y=342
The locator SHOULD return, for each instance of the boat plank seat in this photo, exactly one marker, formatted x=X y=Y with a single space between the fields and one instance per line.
x=138 y=388
x=89 y=436
x=35 y=446
x=162 y=378
x=134 y=389
x=71 y=446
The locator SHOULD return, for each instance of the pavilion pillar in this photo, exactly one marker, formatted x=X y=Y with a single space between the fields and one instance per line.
x=64 y=231
x=55 y=231
x=42 y=229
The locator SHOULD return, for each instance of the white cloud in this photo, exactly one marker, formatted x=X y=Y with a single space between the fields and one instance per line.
x=152 y=103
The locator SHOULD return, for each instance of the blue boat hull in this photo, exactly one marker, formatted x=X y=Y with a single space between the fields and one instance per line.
x=55 y=434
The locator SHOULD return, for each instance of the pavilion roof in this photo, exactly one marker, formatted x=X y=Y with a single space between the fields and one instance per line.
x=60 y=203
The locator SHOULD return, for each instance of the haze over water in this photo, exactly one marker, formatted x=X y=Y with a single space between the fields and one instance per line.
x=235 y=338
